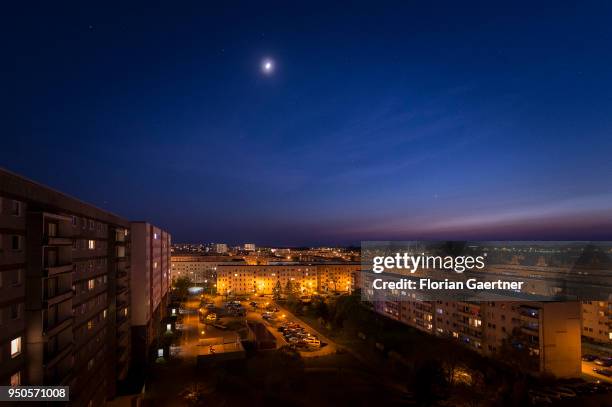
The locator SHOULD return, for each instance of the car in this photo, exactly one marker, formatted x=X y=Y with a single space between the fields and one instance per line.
x=539 y=398
x=588 y=358
x=582 y=388
x=605 y=362
x=211 y=317
x=312 y=341
x=565 y=392
x=603 y=372
x=552 y=394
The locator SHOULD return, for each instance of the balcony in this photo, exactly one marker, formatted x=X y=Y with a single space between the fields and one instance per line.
x=121 y=289
x=58 y=326
x=56 y=297
x=52 y=358
x=51 y=270
x=57 y=241
x=121 y=320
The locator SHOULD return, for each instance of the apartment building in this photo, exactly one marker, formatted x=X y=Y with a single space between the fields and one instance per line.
x=200 y=269
x=597 y=321
x=220 y=247
x=305 y=278
x=150 y=271
x=549 y=331
x=64 y=292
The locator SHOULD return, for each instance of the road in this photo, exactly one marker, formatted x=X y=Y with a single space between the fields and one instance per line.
x=587 y=369
x=197 y=337
x=284 y=315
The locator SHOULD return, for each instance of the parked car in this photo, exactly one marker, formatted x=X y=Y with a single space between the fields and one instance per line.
x=603 y=372
x=605 y=362
x=565 y=392
x=211 y=317
x=539 y=398
x=588 y=358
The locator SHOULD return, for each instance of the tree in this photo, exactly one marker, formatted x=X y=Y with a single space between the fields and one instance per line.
x=518 y=351
x=430 y=382
x=289 y=288
x=276 y=291
x=181 y=285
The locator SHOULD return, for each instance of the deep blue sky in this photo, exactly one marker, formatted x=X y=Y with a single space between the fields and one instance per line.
x=408 y=120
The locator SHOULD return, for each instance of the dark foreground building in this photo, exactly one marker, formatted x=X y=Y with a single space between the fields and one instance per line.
x=64 y=292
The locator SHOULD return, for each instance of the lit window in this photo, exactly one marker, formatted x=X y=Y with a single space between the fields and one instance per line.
x=90 y=324
x=154 y=264
x=104 y=314
x=154 y=235
x=16 y=379
x=16 y=347
x=90 y=364
x=91 y=284
x=91 y=244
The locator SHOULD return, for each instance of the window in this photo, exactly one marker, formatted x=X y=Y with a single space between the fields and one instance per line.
x=16 y=208
x=16 y=242
x=90 y=324
x=16 y=278
x=90 y=364
x=104 y=314
x=16 y=379
x=91 y=244
x=91 y=224
x=52 y=229
x=155 y=236
x=91 y=284
x=74 y=220
x=16 y=347
x=14 y=311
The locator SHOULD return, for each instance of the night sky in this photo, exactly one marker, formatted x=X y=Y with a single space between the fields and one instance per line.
x=447 y=120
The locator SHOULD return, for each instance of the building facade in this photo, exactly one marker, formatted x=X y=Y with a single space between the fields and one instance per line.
x=220 y=248
x=597 y=321
x=150 y=272
x=200 y=269
x=548 y=331
x=304 y=278
x=64 y=292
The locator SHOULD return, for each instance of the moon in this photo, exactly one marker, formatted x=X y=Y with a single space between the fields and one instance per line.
x=267 y=66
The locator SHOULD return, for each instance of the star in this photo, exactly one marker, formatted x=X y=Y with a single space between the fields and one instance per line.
x=267 y=66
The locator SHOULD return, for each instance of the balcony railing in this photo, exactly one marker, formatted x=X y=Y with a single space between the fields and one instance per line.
x=53 y=327
x=57 y=241
x=55 y=355
x=58 y=268
x=53 y=297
